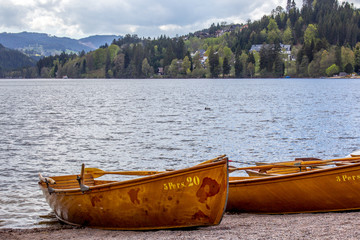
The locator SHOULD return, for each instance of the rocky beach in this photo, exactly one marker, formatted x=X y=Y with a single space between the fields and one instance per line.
x=233 y=226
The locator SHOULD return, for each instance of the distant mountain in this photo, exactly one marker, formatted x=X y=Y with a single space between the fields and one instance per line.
x=12 y=59
x=38 y=45
x=96 y=41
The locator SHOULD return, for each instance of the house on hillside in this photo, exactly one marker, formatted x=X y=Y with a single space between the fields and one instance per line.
x=202 y=56
x=285 y=50
x=256 y=48
x=201 y=34
x=160 y=71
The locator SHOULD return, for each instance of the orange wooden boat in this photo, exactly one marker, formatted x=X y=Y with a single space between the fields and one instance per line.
x=320 y=190
x=191 y=197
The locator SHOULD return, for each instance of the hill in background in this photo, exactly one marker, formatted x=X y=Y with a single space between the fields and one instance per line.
x=37 y=45
x=13 y=59
x=94 y=42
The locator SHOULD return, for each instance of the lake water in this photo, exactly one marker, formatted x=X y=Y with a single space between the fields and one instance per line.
x=53 y=126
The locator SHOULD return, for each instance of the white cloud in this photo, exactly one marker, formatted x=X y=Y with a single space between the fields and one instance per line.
x=78 y=18
x=170 y=27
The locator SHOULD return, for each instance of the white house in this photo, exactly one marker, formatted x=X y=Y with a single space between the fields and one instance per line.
x=285 y=49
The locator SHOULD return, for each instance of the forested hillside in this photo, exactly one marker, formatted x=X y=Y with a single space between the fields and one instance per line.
x=12 y=59
x=319 y=38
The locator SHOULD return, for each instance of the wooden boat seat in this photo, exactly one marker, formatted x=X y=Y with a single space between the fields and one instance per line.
x=68 y=182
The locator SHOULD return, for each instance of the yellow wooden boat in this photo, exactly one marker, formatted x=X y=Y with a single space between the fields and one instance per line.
x=190 y=197
x=320 y=190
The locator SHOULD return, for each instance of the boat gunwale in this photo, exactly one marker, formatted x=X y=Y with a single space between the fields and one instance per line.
x=137 y=181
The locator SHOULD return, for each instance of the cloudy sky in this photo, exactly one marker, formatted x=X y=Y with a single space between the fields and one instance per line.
x=148 y=18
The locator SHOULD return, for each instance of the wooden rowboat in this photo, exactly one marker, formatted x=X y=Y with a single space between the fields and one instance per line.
x=321 y=190
x=190 y=197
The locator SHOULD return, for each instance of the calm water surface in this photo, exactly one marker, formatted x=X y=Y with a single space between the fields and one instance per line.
x=52 y=126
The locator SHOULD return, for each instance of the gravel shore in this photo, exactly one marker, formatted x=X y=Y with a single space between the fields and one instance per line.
x=233 y=226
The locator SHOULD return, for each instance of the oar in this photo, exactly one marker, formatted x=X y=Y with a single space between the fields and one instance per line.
x=96 y=172
x=328 y=161
x=311 y=161
x=296 y=161
x=305 y=163
x=266 y=167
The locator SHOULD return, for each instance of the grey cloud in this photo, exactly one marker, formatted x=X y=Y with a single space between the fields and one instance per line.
x=146 y=17
x=48 y=4
x=12 y=16
x=150 y=15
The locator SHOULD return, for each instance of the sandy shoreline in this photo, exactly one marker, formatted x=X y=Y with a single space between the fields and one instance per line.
x=233 y=226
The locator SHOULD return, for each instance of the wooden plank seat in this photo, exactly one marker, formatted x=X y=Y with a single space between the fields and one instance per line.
x=68 y=182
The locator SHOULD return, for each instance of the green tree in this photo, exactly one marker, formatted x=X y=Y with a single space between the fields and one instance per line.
x=196 y=61
x=310 y=34
x=146 y=69
x=119 y=65
x=298 y=36
x=108 y=72
x=227 y=53
x=226 y=67
x=357 y=57
x=54 y=71
x=273 y=34
x=264 y=57
x=287 y=35
x=214 y=63
x=186 y=65
x=279 y=67
x=83 y=66
x=251 y=69
x=327 y=59
x=244 y=59
x=190 y=60
x=193 y=44
x=314 y=66
x=302 y=67
x=238 y=67
x=100 y=57
x=332 y=70
x=349 y=68
x=173 y=69
x=338 y=57
x=113 y=50
x=251 y=58
x=347 y=57
x=169 y=55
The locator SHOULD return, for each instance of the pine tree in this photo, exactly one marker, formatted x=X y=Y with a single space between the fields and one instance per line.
x=357 y=57
x=263 y=57
x=83 y=68
x=288 y=6
x=251 y=58
x=238 y=66
x=214 y=63
x=226 y=67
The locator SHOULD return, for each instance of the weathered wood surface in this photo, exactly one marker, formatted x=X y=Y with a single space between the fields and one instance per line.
x=190 y=197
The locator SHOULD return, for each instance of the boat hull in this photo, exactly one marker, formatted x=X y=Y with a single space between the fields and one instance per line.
x=323 y=190
x=191 y=197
